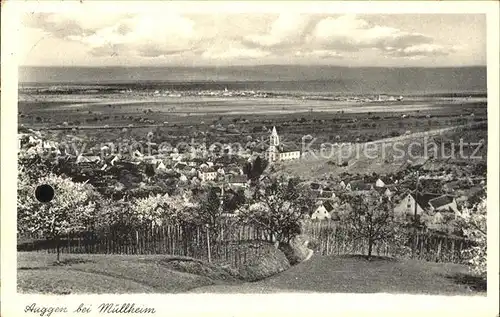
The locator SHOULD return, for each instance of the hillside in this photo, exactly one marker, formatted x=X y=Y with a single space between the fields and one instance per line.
x=389 y=155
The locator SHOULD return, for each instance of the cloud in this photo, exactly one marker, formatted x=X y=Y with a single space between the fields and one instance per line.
x=144 y=35
x=422 y=50
x=235 y=51
x=322 y=54
x=70 y=23
x=260 y=38
x=286 y=30
x=351 y=34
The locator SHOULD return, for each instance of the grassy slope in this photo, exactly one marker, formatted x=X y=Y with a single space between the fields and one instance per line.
x=101 y=274
x=357 y=275
x=148 y=274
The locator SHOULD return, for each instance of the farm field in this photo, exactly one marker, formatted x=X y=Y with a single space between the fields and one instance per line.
x=383 y=156
x=238 y=119
x=348 y=274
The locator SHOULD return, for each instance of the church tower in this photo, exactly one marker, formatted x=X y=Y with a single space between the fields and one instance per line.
x=274 y=142
x=274 y=139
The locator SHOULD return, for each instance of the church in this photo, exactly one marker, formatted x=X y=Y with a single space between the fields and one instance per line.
x=280 y=152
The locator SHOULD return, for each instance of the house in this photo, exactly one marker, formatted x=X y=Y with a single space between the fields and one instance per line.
x=137 y=153
x=384 y=181
x=326 y=210
x=322 y=212
x=238 y=180
x=280 y=152
x=384 y=191
x=410 y=203
x=316 y=187
x=359 y=186
x=208 y=174
x=379 y=183
x=161 y=167
x=445 y=203
x=87 y=159
x=327 y=194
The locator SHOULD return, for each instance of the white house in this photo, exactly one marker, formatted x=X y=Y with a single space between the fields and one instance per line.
x=208 y=174
x=161 y=167
x=379 y=183
x=87 y=159
x=408 y=204
x=325 y=211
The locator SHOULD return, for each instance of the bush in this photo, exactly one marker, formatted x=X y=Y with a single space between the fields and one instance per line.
x=271 y=262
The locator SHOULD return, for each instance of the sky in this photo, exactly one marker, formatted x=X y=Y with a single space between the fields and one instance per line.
x=173 y=39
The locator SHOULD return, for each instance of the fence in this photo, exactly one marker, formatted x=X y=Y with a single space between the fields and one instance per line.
x=334 y=239
x=234 y=244
x=230 y=244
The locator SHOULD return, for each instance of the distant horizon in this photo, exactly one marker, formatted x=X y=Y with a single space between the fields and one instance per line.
x=325 y=79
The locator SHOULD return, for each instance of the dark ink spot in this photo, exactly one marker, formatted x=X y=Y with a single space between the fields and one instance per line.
x=44 y=193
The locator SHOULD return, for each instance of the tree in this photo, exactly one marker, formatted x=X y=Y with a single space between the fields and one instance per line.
x=160 y=209
x=371 y=219
x=234 y=200
x=210 y=209
x=255 y=169
x=280 y=206
x=72 y=210
x=473 y=223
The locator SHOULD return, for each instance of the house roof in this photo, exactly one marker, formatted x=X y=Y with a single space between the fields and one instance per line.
x=386 y=180
x=326 y=194
x=381 y=190
x=208 y=170
x=289 y=147
x=441 y=201
x=238 y=179
x=328 y=206
x=360 y=186
x=424 y=198
x=315 y=186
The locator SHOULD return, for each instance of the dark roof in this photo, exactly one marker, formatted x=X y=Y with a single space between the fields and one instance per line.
x=315 y=186
x=381 y=190
x=441 y=201
x=326 y=194
x=386 y=180
x=360 y=186
x=288 y=148
x=328 y=206
x=423 y=198
x=238 y=179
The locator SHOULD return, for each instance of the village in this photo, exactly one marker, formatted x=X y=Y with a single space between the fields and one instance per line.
x=148 y=168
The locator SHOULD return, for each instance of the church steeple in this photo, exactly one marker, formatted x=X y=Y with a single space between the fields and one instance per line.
x=274 y=139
